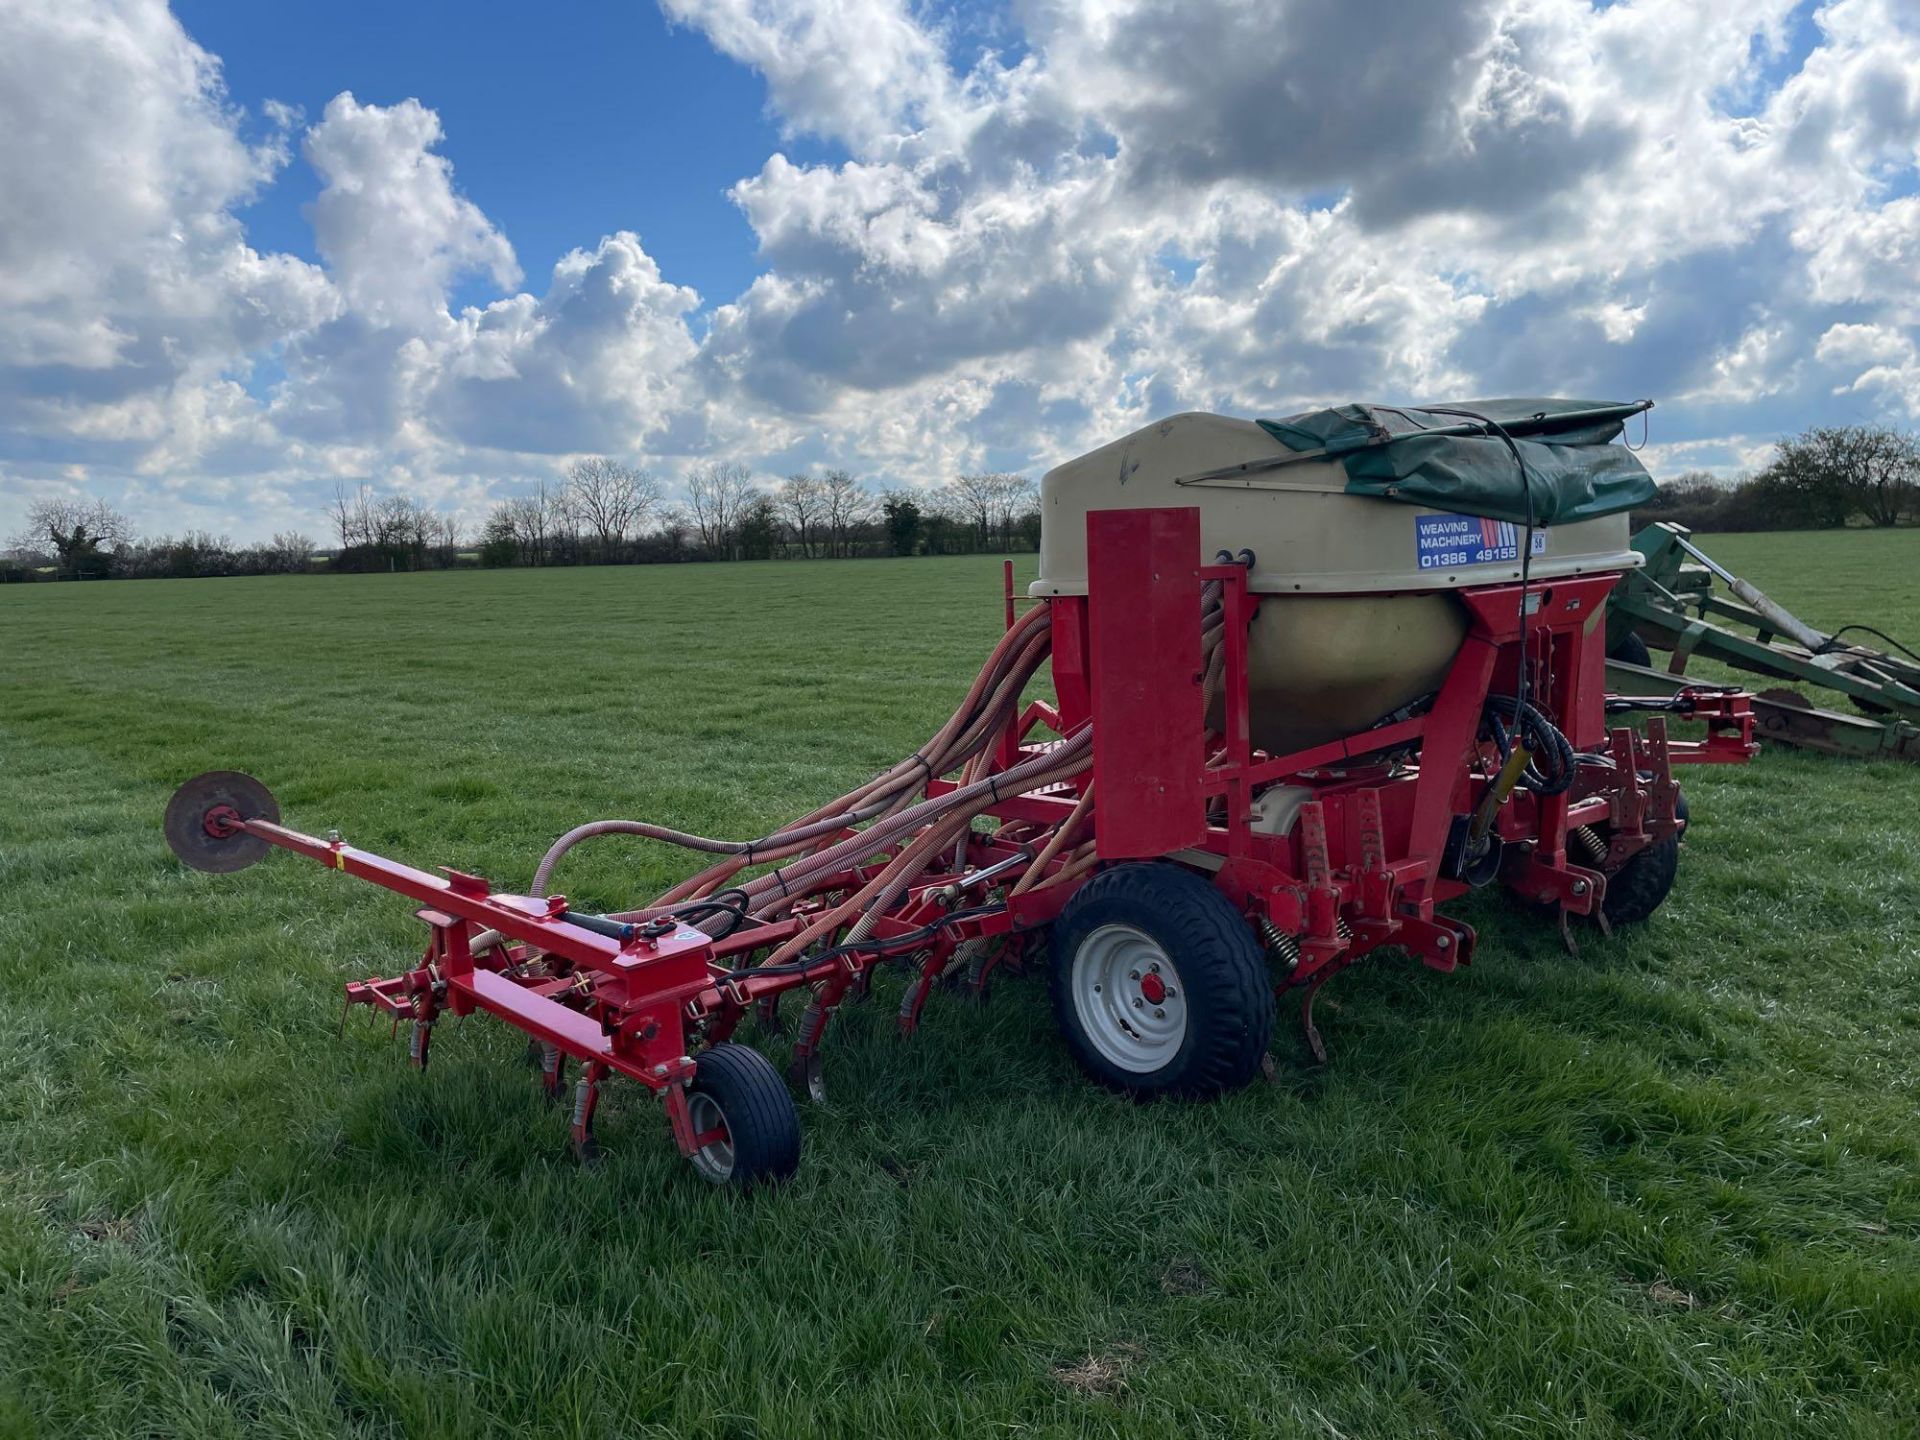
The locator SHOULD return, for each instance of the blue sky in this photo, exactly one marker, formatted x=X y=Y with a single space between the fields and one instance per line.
x=562 y=125
x=917 y=239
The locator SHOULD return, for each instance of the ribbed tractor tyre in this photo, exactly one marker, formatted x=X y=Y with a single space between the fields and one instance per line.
x=1159 y=985
x=1631 y=650
x=1641 y=886
x=737 y=1089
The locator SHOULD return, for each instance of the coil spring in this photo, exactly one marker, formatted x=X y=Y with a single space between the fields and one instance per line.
x=1590 y=842
x=1281 y=947
x=1285 y=948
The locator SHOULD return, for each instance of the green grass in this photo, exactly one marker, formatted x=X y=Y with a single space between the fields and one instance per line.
x=1666 y=1189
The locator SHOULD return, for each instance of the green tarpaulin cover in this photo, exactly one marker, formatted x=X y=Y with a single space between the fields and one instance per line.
x=1441 y=458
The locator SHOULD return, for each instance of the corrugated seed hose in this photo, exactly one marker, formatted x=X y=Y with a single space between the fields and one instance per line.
x=901 y=821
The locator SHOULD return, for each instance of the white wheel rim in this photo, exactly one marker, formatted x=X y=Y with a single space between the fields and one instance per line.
x=1130 y=1000
x=714 y=1160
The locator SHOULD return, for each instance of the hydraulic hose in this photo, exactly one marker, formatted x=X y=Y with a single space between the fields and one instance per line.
x=1550 y=767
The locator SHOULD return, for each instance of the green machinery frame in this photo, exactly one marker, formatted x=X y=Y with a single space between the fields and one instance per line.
x=1672 y=604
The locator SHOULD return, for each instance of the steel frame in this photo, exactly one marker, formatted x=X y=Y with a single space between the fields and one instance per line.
x=1362 y=869
x=1748 y=631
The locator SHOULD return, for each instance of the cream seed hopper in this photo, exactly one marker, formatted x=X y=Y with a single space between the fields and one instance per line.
x=1311 y=682
x=1358 y=618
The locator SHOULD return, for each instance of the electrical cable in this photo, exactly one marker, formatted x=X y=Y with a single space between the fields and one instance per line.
x=716 y=904
x=1833 y=640
x=1526 y=540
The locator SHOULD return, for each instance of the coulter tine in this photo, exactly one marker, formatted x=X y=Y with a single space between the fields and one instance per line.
x=1566 y=934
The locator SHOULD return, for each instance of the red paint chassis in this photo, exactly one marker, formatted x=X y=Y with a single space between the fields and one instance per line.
x=1363 y=868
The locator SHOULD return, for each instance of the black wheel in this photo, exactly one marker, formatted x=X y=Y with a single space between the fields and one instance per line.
x=1631 y=650
x=1641 y=886
x=740 y=1103
x=1159 y=985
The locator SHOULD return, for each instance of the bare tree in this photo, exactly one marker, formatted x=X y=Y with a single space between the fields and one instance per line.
x=341 y=513
x=718 y=494
x=533 y=521
x=446 y=539
x=1013 y=497
x=971 y=499
x=353 y=515
x=82 y=533
x=423 y=527
x=563 y=525
x=395 y=525
x=673 y=527
x=611 y=500
x=849 y=505
x=802 y=505
x=290 y=552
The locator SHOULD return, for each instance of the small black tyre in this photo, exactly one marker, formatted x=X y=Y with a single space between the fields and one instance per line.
x=737 y=1092
x=1159 y=985
x=1641 y=886
x=1631 y=650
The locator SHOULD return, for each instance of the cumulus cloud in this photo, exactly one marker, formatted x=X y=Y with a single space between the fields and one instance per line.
x=127 y=287
x=861 y=71
x=1411 y=108
x=1034 y=235
x=1885 y=361
x=392 y=229
x=1252 y=206
x=597 y=363
x=592 y=364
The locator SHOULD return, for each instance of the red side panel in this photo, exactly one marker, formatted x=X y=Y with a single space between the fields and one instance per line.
x=1070 y=660
x=1149 y=725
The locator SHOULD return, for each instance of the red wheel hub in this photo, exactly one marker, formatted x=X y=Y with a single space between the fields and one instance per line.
x=1153 y=988
x=221 y=821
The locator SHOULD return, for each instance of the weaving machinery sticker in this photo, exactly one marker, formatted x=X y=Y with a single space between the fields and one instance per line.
x=1443 y=542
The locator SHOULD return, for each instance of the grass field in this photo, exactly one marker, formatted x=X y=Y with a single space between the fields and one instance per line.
x=1669 y=1188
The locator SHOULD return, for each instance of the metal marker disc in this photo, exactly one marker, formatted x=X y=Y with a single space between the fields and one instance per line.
x=201 y=799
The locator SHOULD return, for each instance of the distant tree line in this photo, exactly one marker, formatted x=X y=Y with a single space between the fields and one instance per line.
x=1821 y=479
x=392 y=532
x=89 y=540
x=599 y=512
x=607 y=513
x=603 y=512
